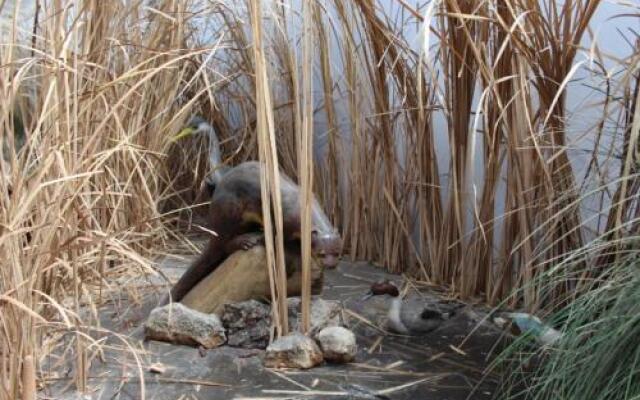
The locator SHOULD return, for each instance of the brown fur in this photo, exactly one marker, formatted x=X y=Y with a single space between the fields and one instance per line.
x=236 y=209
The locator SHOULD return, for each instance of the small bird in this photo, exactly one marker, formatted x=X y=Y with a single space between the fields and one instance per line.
x=413 y=315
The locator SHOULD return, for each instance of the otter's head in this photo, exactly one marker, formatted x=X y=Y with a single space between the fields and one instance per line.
x=326 y=247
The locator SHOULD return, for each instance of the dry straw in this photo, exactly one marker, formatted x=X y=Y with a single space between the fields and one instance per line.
x=269 y=178
x=305 y=161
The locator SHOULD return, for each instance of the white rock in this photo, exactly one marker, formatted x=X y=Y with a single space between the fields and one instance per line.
x=338 y=344
x=293 y=351
x=178 y=324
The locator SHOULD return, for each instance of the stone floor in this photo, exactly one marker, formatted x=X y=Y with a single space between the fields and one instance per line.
x=445 y=364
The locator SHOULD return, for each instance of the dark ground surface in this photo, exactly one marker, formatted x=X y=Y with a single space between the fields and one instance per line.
x=436 y=366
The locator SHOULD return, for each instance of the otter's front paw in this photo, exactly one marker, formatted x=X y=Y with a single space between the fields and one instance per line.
x=244 y=242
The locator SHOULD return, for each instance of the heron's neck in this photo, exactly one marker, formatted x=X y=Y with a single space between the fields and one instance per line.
x=215 y=157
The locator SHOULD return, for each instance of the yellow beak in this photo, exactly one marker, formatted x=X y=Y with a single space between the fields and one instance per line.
x=183 y=133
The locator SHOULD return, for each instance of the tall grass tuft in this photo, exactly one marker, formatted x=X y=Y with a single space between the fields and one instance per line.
x=597 y=357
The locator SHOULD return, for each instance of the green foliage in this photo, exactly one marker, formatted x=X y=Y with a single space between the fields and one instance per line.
x=598 y=357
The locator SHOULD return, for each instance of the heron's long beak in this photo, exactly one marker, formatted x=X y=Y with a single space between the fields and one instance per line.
x=184 y=133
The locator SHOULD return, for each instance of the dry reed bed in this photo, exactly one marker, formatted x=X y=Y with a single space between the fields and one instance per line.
x=97 y=93
x=100 y=86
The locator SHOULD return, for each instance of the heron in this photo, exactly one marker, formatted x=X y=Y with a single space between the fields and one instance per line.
x=197 y=125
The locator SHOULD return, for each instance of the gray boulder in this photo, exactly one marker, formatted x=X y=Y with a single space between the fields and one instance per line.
x=248 y=324
x=324 y=313
x=178 y=324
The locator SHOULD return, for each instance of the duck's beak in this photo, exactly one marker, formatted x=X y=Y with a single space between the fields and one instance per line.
x=184 y=133
x=367 y=296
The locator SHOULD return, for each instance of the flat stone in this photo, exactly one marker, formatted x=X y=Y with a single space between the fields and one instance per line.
x=338 y=344
x=178 y=324
x=293 y=351
x=248 y=324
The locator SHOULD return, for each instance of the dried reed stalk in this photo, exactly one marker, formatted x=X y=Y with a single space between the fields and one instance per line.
x=28 y=378
x=305 y=163
x=330 y=178
x=626 y=194
x=269 y=179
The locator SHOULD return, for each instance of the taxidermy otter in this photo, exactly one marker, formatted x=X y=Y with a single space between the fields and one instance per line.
x=235 y=212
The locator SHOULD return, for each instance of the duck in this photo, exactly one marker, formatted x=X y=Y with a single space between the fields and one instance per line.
x=413 y=315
